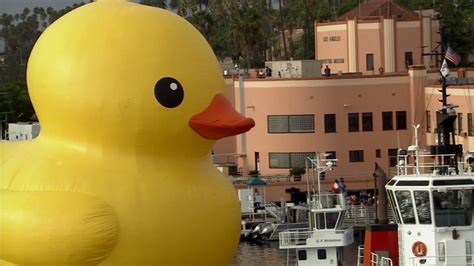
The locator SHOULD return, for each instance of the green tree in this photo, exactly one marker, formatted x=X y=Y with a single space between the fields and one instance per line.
x=157 y=3
x=15 y=101
x=458 y=27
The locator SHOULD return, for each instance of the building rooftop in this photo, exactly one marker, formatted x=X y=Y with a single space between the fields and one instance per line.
x=380 y=8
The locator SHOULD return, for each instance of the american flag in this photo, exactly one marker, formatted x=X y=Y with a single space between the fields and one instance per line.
x=452 y=56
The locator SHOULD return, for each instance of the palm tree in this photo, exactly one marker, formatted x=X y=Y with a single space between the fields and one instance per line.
x=157 y=3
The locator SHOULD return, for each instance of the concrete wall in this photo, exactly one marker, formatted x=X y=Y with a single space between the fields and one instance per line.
x=331 y=43
x=387 y=39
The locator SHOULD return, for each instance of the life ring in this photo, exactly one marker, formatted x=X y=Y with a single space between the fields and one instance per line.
x=419 y=249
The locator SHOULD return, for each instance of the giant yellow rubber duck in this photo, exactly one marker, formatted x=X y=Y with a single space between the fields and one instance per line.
x=130 y=102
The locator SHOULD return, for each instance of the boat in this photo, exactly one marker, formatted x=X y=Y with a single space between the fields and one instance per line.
x=432 y=198
x=323 y=240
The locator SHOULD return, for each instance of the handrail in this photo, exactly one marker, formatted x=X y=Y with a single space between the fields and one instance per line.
x=360 y=255
x=427 y=164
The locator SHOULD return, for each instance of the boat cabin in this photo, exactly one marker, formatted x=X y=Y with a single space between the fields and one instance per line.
x=322 y=242
x=433 y=202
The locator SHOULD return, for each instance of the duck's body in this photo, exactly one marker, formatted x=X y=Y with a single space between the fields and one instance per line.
x=120 y=175
x=167 y=222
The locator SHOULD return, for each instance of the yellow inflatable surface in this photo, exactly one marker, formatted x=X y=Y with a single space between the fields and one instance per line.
x=130 y=102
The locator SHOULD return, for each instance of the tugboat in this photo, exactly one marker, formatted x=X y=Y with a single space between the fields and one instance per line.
x=433 y=203
x=323 y=241
x=432 y=198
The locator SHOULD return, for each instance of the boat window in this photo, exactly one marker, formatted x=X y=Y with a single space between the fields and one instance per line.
x=331 y=219
x=326 y=220
x=453 y=182
x=340 y=220
x=320 y=221
x=393 y=181
x=412 y=183
x=391 y=200
x=422 y=202
x=406 y=206
x=322 y=254
x=301 y=254
x=453 y=207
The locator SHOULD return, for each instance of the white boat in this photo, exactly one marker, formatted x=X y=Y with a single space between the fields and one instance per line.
x=433 y=209
x=432 y=198
x=323 y=241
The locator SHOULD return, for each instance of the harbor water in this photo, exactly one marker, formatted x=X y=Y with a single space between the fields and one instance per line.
x=269 y=254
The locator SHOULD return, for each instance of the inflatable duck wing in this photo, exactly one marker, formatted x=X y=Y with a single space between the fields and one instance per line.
x=130 y=102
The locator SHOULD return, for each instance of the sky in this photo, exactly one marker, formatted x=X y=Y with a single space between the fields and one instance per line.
x=16 y=6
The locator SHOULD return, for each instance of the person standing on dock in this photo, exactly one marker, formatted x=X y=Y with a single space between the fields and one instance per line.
x=335 y=187
x=342 y=185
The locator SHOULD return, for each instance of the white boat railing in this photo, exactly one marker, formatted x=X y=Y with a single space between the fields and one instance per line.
x=374 y=259
x=362 y=214
x=441 y=260
x=299 y=237
x=294 y=238
x=327 y=200
x=378 y=260
x=360 y=255
x=435 y=164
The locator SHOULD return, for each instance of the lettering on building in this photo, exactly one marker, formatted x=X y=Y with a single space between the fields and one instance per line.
x=331 y=38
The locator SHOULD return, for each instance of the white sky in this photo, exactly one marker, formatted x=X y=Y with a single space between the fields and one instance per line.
x=16 y=6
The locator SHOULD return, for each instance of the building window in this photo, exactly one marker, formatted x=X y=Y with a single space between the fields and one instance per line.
x=330 y=123
x=301 y=123
x=460 y=123
x=353 y=119
x=290 y=123
x=470 y=125
x=428 y=121
x=378 y=153
x=367 y=124
x=387 y=120
x=331 y=155
x=401 y=120
x=392 y=156
x=356 y=156
x=408 y=59
x=289 y=159
x=322 y=254
x=302 y=254
x=370 y=61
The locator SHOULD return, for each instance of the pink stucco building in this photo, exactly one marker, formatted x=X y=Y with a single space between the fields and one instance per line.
x=361 y=119
x=378 y=36
x=361 y=116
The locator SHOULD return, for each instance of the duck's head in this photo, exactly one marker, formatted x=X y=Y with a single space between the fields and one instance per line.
x=123 y=74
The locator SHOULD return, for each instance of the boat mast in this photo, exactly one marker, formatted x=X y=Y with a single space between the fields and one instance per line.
x=447 y=117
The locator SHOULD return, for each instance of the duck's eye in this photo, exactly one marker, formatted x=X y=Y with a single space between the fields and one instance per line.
x=169 y=92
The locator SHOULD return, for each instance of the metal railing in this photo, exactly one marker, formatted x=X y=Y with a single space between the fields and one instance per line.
x=327 y=200
x=299 y=237
x=360 y=255
x=362 y=214
x=440 y=260
x=437 y=164
x=294 y=237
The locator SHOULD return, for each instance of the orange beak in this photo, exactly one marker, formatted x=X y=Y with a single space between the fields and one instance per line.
x=220 y=120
